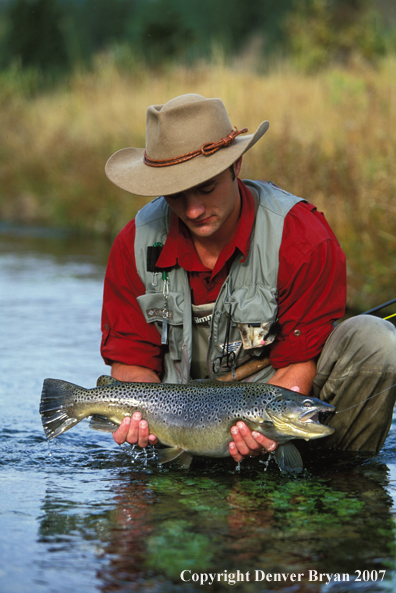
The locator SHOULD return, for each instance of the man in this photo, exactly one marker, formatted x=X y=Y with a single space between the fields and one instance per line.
x=217 y=272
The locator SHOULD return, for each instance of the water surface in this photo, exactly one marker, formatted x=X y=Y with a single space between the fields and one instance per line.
x=83 y=514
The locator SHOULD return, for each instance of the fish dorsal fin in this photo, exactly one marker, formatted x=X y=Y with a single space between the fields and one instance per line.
x=102 y=423
x=170 y=453
x=105 y=380
x=288 y=458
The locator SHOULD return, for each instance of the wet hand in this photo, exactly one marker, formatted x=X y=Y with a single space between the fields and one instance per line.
x=135 y=431
x=247 y=443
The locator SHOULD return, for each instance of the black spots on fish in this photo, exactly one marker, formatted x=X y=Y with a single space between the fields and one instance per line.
x=255 y=409
x=195 y=404
x=278 y=405
x=100 y=396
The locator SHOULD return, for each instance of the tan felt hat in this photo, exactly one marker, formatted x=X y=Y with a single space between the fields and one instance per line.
x=189 y=140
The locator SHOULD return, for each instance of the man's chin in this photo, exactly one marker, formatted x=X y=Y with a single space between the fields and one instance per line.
x=202 y=230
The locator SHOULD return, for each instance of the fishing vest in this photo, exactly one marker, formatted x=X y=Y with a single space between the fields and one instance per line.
x=248 y=295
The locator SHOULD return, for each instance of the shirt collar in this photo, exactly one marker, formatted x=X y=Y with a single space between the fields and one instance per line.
x=179 y=247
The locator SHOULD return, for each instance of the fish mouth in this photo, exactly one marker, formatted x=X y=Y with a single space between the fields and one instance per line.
x=311 y=422
x=316 y=416
x=304 y=423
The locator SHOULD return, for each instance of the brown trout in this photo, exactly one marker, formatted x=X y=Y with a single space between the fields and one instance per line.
x=193 y=419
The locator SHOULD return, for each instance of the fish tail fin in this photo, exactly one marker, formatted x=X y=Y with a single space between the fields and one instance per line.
x=56 y=407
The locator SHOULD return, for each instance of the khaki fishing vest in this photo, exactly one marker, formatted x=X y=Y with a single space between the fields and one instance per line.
x=249 y=294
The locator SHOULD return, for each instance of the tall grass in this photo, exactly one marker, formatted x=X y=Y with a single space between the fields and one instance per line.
x=331 y=140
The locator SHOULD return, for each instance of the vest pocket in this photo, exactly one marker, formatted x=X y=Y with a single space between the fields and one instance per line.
x=153 y=306
x=253 y=303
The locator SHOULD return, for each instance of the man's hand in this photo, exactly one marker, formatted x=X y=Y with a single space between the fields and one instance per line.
x=134 y=430
x=249 y=444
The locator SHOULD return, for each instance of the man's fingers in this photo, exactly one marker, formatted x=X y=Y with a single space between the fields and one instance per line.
x=134 y=431
x=239 y=441
x=234 y=452
x=143 y=434
x=251 y=443
x=265 y=442
x=121 y=433
x=248 y=443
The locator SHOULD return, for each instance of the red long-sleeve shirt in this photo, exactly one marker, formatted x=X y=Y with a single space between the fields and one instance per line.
x=311 y=286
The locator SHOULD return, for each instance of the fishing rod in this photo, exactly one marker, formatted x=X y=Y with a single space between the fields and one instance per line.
x=379 y=308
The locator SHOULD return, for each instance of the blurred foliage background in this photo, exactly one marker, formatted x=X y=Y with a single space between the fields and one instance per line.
x=55 y=35
x=76 y=77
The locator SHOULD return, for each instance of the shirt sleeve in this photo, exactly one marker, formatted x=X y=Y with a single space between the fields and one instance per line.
x=126 y=336
x=311 y=286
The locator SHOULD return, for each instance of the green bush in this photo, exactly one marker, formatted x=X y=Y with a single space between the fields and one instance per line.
x=321 y=32
x=35 y=38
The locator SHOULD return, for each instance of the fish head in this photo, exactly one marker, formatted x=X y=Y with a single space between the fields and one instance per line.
x=298 y=416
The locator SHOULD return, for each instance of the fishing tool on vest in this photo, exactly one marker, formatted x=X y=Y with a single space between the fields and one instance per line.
x=227 y=354
x=153 y=253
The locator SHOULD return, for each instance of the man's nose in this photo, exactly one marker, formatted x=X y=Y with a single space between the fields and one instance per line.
x=194 y=205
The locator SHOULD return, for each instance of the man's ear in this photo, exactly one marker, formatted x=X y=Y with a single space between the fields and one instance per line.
x=237 y=166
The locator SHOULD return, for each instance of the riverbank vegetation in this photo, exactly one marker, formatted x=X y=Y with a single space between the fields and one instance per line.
x=330 y=140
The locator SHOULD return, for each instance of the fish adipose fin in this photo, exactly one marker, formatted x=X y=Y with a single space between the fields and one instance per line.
x=182 y=458
x=288 y=459
x=102 y=423
x=56 y=403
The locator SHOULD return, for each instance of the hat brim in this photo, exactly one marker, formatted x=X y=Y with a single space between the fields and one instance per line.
x=126 y=168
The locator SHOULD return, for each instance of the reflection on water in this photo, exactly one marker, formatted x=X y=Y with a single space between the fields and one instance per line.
x=82 y=514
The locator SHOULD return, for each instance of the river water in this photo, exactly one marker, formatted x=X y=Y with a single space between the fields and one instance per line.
x=82 y=514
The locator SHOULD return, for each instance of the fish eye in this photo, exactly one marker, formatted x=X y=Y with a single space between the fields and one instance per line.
x=307 y=403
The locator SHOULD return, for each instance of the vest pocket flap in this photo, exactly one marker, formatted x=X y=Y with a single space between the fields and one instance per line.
x=252 y=304
x=153 y=306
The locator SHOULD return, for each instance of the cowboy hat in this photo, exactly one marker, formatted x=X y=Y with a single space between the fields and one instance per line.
x=189 y=140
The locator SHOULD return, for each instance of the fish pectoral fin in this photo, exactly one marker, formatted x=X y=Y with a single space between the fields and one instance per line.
x=184 y=460
x=171 y=453
x=105 y=380
x=102 y=423
x=288 y=458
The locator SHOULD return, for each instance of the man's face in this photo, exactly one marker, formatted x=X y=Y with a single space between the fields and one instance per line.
x=211 y=208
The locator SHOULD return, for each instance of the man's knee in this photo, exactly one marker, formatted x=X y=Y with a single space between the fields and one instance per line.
x=370 y=337
x=360 y=342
